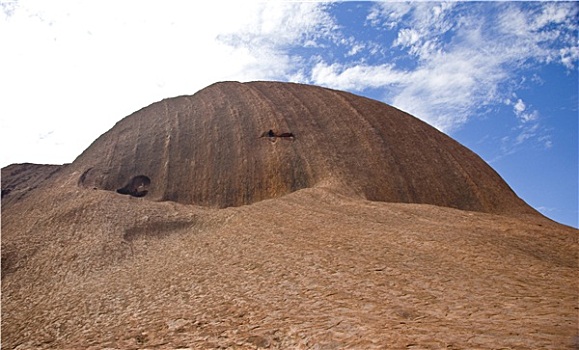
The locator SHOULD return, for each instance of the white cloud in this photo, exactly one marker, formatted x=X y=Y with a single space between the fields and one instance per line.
x=528 y=128
x=555 y=13
x=443 y=91
x=526 y=133
x=425 y=24
x=569 y=56
x=357 y=77
x=100 y=61
x=519 y=106
x=463 y=60
x=522 y=113
x=389 y=13
x=450 y=88
x=546 y=32
x=546 y=141
x=281 y=24
x=407 y=37
x=529 y=117
x=355 y=49
x=75 y=67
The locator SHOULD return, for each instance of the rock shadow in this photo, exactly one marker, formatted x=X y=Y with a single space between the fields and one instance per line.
x=138 y=186
x=156 y=229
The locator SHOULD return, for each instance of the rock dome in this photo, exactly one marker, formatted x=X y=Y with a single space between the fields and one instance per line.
x=232 y=144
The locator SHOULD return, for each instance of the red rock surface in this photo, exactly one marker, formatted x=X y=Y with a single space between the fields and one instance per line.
x=19 y=179
x=205 y=150
x=370 y=230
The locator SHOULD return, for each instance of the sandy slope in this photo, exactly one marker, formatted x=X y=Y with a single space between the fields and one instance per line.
x=309 y=270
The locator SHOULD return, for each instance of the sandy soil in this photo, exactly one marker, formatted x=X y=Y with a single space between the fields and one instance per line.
x=310 y=270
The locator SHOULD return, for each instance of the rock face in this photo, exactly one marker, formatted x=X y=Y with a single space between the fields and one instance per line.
x=213 y=149
x=279 y=216
x=19 y=179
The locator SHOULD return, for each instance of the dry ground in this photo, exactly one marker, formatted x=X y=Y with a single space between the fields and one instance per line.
x=310 y=270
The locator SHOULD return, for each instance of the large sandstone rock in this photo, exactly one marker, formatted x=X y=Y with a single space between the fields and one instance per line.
x=205 y=149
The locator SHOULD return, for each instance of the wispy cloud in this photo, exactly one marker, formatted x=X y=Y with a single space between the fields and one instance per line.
x=528 y=128
x=462 y=61
x=525 y=116
x=357 y=77
x=78 y=66
x=442 y=62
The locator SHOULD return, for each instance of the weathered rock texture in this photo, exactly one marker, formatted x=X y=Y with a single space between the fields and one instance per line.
x=19 y=179
x=205 y=150
x=341 y=238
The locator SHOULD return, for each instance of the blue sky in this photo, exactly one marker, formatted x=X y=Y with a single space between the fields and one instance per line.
x=500 y=77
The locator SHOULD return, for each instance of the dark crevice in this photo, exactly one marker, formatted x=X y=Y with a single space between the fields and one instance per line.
x=138 y=186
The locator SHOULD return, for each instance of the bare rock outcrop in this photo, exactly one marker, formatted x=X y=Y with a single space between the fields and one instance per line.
x=20 y=179
x=206 y=150
x=279 y=216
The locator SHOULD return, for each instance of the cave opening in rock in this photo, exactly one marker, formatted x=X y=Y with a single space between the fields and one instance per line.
x=138 y=186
